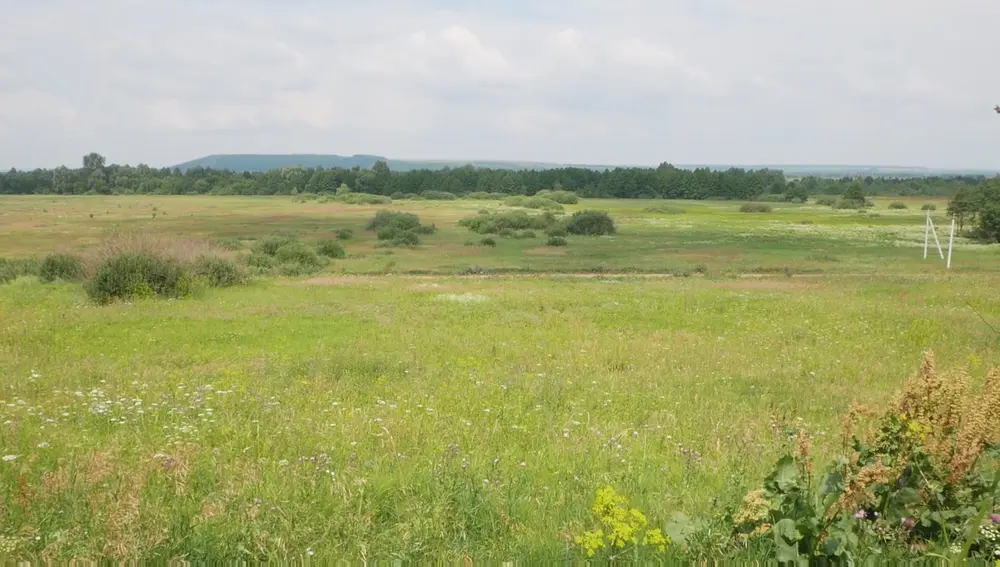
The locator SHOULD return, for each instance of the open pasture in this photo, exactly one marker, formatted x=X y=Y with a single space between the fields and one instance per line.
x=370 y=415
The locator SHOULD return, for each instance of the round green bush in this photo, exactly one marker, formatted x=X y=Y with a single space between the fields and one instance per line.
x=756 y=208
x=928 y=207
x=61 y=267
x=591 y=223
x=134 y=275
x=507 y=233
x=556 y=231
x=297 y=253
x=219 y=272
x=488 y=241
x=898 y=205
x=345 y=234
x=330 y=249
x=556 y=241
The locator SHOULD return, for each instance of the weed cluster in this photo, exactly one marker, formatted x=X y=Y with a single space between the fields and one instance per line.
x=559 y=196
x=536 y=202
x=591 y=223
x=496 y=223
x=397 y=229
x=66 y=267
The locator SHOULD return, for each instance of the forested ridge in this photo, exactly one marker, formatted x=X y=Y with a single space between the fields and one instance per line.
x=666 y=181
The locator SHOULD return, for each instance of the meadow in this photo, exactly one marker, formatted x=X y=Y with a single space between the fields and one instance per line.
x=454 y=402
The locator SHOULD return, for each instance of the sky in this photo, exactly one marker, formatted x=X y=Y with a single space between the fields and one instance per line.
x=887 y=82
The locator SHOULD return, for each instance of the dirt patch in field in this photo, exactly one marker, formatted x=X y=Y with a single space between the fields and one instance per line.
x=547 y=251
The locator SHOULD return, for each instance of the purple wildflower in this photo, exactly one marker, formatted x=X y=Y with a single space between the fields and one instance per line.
x=860 y=515
x=908 y=522
x=995 y=518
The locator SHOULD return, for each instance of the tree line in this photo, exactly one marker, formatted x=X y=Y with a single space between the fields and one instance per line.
x=665 y=182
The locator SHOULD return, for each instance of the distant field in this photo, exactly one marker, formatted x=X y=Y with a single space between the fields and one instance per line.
x=710 y=235
x=365 y=413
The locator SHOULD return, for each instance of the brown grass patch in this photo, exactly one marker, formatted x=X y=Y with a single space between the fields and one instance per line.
x=766 y=284
x=184 y=250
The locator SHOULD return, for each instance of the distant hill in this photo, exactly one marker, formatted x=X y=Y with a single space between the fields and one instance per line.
x=266 y=162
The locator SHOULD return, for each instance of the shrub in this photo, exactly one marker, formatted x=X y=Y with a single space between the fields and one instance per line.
x=484 y=196
x=665 y=210
x=756 y=208
x=398 y=196
x=556 y=241
x=10 y=270
x=396 y=219
x=826 y=201
x=561 y=197
x=487 y=223
x=363 y=199
x=259 y=259
x=898 y=205
x=928 y=207
x=556 y=231
x=533 y=203
x=61 y=267
x=330 y=249
x=439 y=196
x=297 y=253
x=271 y=244
x=470 y=242
x=507 y=233
x=133 y=275
x=398 y=238
x=488 y=241
x=219 y=272
x=591 y=223
x=345 y=234
x=526 y=234
x=231 y=243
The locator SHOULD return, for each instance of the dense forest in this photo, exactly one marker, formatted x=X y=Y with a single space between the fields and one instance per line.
x=665 y=181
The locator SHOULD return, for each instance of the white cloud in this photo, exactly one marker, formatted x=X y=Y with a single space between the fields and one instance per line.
x=635 y=81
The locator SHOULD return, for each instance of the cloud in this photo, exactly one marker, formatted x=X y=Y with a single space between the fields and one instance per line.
x=635 y=81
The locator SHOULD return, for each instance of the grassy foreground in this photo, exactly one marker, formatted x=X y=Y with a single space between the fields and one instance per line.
x=440 y=417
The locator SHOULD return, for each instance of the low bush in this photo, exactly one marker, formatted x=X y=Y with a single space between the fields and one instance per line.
x=556 y=241
x=665 y=210
x=439 y=196
x=259 y=259
x=928 y=207
x=561 y=197
x=345 y=234
x=488 y=241
x=330 y=249
x=826 y=201
x=270 y=245
x=533 y=203
x=756 y=208
x=484 y=196
x=525 y=234
x=231 y=243
x=135 y=275
x=64 y=267
x=507 y=233
x=487 y=223
x=10 y=270
x=363 y=199
x=398 y=196
x=219 y=272
x=396 y=219
x=556 y=231
x=394 y=238
x=898 y=205
x=591 y=223
x=297 y=253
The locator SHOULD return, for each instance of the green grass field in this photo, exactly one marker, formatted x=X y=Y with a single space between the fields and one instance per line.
x=391 y=408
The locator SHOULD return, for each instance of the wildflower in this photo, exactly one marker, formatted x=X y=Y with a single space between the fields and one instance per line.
x=860 y=515
x=10 y=458
x=995 y=518
x=908 y=522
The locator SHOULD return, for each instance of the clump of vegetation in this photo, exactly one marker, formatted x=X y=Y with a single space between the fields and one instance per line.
x=10 y=270
x=756 y=208
x=345 y=234
x=282 y=252
x=525 y=234
x=488 y=241
x=137 y=275
x=439 y=196
x=980 y=207
x=507 y=233
x=926 y=472
x=363 y=199
x=394 y=228
x=494 y=223
x=591 y=223
x=557 y=230
x=620 y=529
x=231 y=243
x=665 y=210
x=897 y=205
x=928 y=207
x=826 y=201
x=66 y=267
x=533 y=203
x=330 y=249
x=559 y=196
x=296 y=252
x=556 y=241
x=219 y=272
